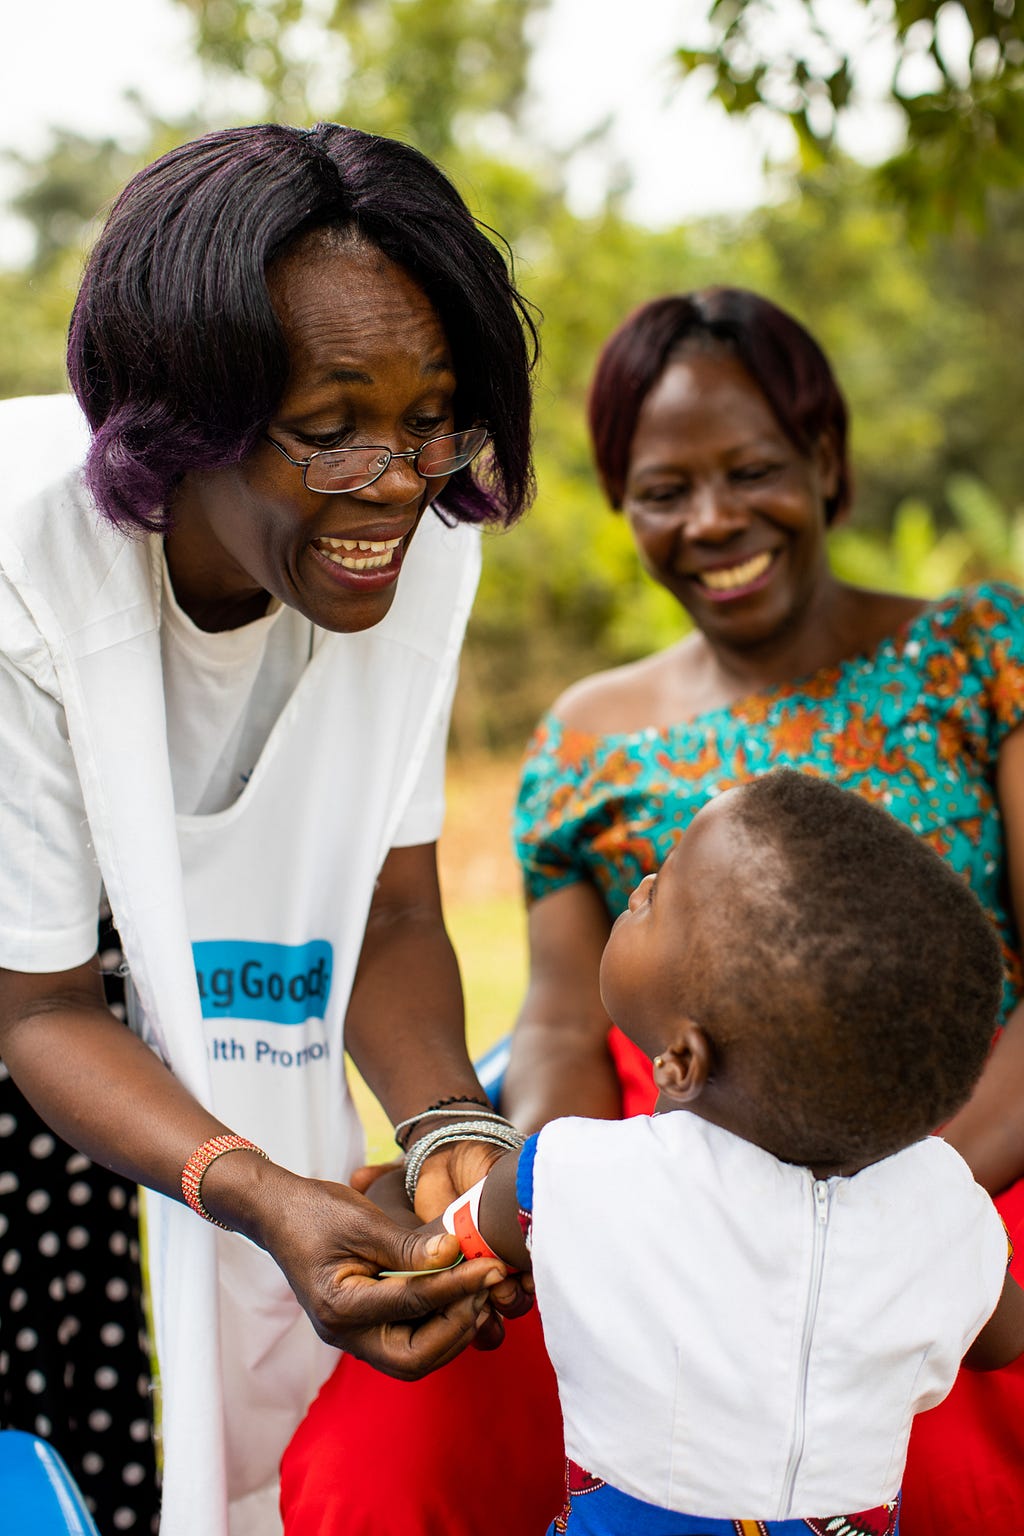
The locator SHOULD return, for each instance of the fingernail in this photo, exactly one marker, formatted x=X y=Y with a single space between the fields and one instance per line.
x=481 y=1302
x=494 y=1277
x=436 y=1244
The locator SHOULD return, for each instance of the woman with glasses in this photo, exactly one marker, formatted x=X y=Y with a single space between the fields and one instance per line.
x=721 y=435
x=229 y=643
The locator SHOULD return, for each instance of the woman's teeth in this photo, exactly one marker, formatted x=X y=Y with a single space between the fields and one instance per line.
x=372 y=553
x=727 y=578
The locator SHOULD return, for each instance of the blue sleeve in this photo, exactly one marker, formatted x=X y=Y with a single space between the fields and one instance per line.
x=524 y=1174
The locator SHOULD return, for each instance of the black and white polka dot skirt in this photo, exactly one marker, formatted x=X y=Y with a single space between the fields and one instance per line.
x=74 y=1356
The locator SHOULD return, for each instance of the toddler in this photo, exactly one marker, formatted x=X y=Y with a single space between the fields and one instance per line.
x=748 y=1296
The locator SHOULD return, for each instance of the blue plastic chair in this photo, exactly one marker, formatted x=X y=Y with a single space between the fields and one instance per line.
x=38 y=1495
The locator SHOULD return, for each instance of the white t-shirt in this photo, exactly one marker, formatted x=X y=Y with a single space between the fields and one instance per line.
x=735 y=1339
x=223 y=692
x=243 y=927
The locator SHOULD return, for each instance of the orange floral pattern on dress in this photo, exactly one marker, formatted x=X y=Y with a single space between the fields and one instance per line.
x=914 y=726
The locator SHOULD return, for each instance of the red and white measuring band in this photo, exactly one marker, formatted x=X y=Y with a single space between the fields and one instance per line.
x=462 y=1218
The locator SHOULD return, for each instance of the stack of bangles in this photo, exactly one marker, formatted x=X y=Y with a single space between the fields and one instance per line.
x=474 y=1120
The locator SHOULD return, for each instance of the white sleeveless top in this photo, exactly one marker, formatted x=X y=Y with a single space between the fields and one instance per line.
x=737 y=1340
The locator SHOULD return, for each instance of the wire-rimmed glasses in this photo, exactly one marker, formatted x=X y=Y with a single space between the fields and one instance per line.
x=333 y=471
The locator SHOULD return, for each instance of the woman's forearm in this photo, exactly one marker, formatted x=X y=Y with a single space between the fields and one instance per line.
x=405 y=1026
x=556 y=1070
x=989 y=1131
x=97 y=1085
x=105 y=1093
x=560 y=1062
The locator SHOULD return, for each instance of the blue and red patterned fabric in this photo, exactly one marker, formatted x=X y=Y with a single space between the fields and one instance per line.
x=592 y=1508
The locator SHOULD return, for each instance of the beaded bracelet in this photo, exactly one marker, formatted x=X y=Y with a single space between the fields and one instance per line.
x=198 y=1165
x=493 y=1133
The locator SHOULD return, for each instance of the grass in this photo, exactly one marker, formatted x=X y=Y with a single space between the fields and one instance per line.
x=484 y=912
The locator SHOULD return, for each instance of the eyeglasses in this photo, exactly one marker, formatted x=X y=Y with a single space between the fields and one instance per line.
x=337 y=470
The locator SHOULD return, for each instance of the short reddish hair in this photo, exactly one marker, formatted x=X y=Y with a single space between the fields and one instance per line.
x=784 y=361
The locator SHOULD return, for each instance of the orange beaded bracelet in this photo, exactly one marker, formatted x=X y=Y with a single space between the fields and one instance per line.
x=199 y=1162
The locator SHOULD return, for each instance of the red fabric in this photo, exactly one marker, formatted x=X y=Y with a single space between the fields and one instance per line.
x=474 y=1450
x=965 y=1468
x=634 y=1070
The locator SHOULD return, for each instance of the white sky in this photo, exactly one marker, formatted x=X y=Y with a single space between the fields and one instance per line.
x=69 y=63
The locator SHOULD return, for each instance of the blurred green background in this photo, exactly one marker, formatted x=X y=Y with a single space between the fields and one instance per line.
x=910 y=271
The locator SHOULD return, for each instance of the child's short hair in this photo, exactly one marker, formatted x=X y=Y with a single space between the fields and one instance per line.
x=871 y=963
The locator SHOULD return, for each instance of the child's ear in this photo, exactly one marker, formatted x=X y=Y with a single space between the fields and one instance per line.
x=683 y=1067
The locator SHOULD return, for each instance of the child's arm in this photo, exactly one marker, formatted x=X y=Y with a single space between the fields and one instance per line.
x=1002 y=1338
x=498 y=1219
x=499 y=1213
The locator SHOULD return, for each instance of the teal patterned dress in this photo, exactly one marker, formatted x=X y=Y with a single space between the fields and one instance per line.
x=915 y=726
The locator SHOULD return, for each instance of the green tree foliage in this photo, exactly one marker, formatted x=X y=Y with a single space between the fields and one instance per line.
x=922 y=336
x=63 y=199
x=417 y=69
x=956 y=78
x=60 y=201
x=918 y=340
x=431 y=71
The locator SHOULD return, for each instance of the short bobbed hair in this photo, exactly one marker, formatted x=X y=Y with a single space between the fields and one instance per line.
x=783 y=360
x=175 y=352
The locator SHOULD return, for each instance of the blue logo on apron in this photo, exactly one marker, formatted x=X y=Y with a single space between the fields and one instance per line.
x=279 y=983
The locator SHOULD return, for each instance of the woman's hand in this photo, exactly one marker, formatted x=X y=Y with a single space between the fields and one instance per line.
x=386 y=1185
x=331 y=1244
x=450 y=1172
x=445 y=1175
x=64 y=1049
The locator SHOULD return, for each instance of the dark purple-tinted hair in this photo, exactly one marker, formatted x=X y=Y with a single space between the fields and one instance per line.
x=784 y=361
x=175 y=352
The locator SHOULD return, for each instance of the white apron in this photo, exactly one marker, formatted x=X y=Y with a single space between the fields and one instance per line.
x=276 y=912
x=274 y=893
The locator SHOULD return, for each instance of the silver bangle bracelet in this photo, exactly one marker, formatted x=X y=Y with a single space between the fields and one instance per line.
x=460 y=1113
x=500 y=1134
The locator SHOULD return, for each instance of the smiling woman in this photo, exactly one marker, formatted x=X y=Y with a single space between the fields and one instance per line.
x=720 y=433
x=230 y=634
x=369 y=364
